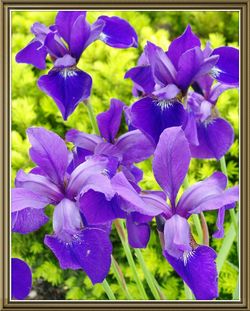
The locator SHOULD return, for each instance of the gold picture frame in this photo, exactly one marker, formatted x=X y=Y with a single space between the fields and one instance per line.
x=243 y=6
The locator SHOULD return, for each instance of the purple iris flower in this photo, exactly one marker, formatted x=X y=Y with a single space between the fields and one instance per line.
x=65 y=42
x=21 y=279
x=194 y=263
x=76 y=246
x=131 y=147
x=163 y=78
x=210 y=136
x=85 y=200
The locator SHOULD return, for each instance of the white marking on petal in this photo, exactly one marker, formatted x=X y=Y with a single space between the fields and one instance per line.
x=187 y=255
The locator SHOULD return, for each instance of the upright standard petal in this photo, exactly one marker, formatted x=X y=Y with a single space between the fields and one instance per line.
x=109 y=121
x=49 y=152
x=65 y=21
x=67 y=86
x=180 y=45
x=163 y=70
x=21 y=279
x=118 y=33
x=89 y=249
x=171 y=161
x=198 y=271
x=227 y=67
x=79 y=36
x=152 y=116
x=215 y=139
x=34 y=53
x=135 y=147
x=189 y=65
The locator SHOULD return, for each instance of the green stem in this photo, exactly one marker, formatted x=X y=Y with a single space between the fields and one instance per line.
x=148 y=275
x=92 y=117
x=108 y=290
x=122 y=235
x=120 y=279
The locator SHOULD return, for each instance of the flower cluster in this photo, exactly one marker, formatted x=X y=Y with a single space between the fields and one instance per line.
x=96 y=182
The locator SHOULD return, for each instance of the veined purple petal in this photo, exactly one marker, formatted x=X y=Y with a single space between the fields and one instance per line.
x=129 y=195
x=200 y=192
x=65 y=21
x=227 y=67
x=89 y=249
x=34 y=53
x=138 y=233
x=180 y=45
x=79 y=36
x=109 y=121
x=49 y=152
x=198 y=271
x=177 y=236
x=206 y=66
x=162 y=68
x=205 y=82
x=27 y=210
x=90 y=175
x=190 y=129
x=215 y=139
x=132 y=173
x=134 y=146
x=153 y=116
x=28 y=220
x=142 y=77
x=67 y=86
x=97 y=209
x=189 y=65
x=21 y=279
x=24 y=198
x=83 y=140
x=171 y=161
x=110 y=150
x=41 y=185
x=79 y=155
x=217 y=90
x=118 y=33
x=219 y=224
x=156 y=200
x=40 y=31
x=95 y=31
x=227 y=198
x=54 y=45
x=66 y=219
x=207 y=195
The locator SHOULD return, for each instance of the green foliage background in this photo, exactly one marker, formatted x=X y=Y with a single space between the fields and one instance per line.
x=107 y=66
